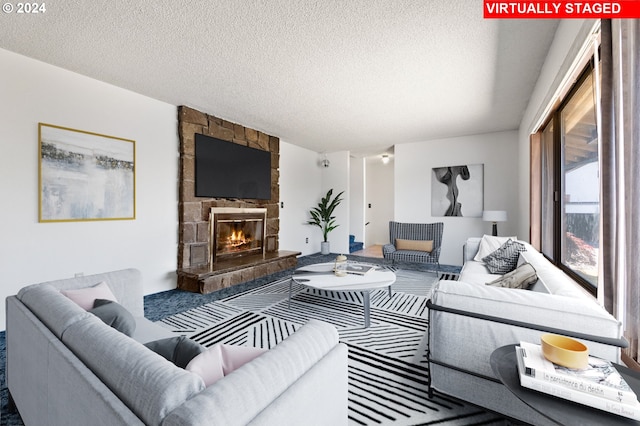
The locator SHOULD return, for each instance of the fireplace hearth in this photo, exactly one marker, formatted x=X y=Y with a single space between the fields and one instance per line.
x=236 y=232
x=238 y=251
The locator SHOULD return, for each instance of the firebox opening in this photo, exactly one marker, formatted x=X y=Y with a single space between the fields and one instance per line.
x=235 y=236
x=237 y=232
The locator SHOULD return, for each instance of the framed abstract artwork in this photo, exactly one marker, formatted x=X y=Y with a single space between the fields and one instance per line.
x=457 y=190
x=85 y=176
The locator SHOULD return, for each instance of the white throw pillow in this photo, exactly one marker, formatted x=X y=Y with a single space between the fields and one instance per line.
x=85 y=297
x=489 y=244
x=220 y=360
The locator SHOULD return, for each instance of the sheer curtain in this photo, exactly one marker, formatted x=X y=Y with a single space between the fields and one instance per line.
x=619 y=289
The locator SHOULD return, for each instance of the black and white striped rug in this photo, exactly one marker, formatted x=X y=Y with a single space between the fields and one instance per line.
x=449 y=276
x=387 y=362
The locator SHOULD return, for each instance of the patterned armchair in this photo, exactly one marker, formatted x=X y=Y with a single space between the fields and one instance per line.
x=410 y=242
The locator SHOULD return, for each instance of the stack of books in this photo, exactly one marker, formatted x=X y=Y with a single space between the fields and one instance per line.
x=359 y=268
x=599 y=385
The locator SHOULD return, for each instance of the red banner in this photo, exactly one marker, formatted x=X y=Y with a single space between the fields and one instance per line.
x=517 y=9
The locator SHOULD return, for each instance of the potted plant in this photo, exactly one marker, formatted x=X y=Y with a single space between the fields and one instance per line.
x=322 y=217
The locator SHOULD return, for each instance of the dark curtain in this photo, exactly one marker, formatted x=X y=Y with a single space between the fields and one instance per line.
x=608 y=175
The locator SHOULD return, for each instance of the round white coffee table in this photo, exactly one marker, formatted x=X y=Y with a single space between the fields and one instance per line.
x=321 y=276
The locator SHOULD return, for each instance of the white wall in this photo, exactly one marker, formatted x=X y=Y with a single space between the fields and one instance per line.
x=356 y=198
x=300 y=188
x=337 y=177
x=412 y=184
x=32 y=92
x=568 y=40
x=380 y=195
x=302 y=184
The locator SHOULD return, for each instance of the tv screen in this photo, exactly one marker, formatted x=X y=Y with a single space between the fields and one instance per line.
x=229 y=170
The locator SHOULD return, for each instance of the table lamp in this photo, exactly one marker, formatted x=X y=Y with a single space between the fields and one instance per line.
x=494 y=216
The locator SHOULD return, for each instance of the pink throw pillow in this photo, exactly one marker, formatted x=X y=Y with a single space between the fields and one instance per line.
x=85 y=297
x=220 y=360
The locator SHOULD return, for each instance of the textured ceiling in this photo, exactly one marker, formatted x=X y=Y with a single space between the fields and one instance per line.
x=359 y=75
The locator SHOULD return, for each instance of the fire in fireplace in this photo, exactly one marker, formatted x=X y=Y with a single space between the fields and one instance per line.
x=236 y=232
x=231 y=236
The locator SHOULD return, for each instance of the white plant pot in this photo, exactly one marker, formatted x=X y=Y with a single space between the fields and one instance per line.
x=324 y=247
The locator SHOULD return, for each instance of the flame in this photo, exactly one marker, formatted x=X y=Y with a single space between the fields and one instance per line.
x=231 y=238
x=237 y=238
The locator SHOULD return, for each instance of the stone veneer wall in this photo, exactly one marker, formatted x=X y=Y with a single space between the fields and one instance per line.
x=193 y=212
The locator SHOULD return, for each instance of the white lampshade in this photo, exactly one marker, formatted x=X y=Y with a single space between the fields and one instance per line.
x=494 y=216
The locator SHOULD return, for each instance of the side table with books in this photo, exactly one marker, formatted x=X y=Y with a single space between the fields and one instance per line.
x=504 y=362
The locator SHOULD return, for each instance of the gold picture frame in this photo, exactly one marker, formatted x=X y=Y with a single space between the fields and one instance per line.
x=84 y=176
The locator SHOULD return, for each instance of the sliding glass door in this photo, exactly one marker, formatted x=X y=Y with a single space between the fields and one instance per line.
x=569 y=183
x=580 y=174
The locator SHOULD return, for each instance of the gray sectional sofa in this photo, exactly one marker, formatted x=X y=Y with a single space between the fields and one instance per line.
x=65 y=366
x=468 y=320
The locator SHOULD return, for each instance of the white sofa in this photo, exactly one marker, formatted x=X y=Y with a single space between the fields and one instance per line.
x=468 y=320
x=67 y=367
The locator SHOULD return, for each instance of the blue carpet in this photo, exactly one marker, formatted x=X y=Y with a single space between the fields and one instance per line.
x=164 y=304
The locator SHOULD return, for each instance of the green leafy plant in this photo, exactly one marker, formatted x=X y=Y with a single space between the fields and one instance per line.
x=322 y=215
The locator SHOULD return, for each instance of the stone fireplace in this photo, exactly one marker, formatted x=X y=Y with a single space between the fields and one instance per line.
x=236 y=232
x=200 y=268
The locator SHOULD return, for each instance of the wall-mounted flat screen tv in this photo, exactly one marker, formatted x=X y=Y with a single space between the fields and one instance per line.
x=229 y=170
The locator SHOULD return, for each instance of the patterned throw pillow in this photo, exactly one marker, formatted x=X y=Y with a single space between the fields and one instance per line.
x=505 y=258
x=489 y=244
x=523 y=277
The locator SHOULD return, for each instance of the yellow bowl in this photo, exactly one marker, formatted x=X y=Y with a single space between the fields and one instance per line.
x=564 y=351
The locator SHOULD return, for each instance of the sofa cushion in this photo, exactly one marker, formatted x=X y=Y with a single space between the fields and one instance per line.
x=56 y=311
x=148 y=331
x=147 y=383
x=220 y=360
x=505 y=258
x=476 y=273
x=553 y=278
x=115 y=315
x=419 y=245
x=539 y=308
x=85 y=297
x=489 y=244
x=539 y=285
x=180 y=350
x=126 y=285
x=520 y=278
x=259 y=384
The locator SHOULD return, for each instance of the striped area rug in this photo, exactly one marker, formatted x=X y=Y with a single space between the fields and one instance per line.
x=387 y=362
x=449 y=276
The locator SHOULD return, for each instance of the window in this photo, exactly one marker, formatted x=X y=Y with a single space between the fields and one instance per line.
x=579 y=171
x=567 y=179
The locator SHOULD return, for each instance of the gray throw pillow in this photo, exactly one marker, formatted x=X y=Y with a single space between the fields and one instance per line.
x=180 y=350
x=505 y=258
x=114 y=315
x=520 y=278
